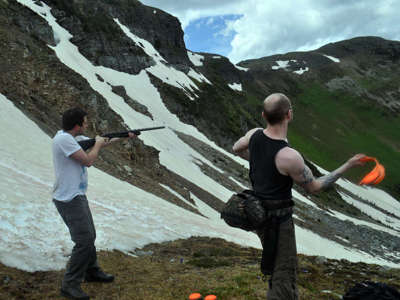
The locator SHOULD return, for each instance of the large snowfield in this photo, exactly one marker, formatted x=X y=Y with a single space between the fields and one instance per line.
x=32 y=234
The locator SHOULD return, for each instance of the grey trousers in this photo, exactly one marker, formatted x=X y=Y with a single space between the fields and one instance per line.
x=284 y=276
x=78 y=218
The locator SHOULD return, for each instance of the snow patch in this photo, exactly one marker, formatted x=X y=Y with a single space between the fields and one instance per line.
x=198 y=76
x=282 y=64
x=356 y=221
x=195 y=58
x=239 y=183
x=177 y=195
x=235 y=86
x=336 y=60
x=301 y=71
x=314 y=244
x=241 y=68
x=167 y=74
x=371 y=199
x=303 y=199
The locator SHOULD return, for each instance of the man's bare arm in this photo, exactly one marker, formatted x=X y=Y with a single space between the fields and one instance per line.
x=241 y=147
x=307 y=176
x=302 y=175
x=245 y=154
x=328 y=179
x=312 y=184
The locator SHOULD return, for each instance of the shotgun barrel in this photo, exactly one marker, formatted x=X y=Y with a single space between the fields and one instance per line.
x=89 y=143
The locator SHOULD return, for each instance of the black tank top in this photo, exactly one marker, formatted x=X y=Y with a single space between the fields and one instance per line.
x=265 y=178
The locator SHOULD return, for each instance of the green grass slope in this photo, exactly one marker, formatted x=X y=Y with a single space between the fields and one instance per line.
x=329 y=127
x=174 y=270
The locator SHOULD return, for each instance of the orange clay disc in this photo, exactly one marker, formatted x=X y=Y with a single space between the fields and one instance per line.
x=376 y=175
x=195 y=296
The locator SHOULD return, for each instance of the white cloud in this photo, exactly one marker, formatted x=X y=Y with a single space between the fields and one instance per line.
x=188 y=11
x=280 y=26
x=210 y=21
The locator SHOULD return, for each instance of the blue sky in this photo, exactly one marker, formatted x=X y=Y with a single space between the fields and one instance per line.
x=209 y=34
x=246 y=29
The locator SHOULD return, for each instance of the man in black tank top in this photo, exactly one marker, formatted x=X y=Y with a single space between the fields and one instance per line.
x=274 y=166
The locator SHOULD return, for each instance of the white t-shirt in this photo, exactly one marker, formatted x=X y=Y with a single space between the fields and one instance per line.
x=71 y=176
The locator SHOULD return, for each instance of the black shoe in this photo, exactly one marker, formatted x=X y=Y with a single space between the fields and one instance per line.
x=74 y=292
x=99 y=276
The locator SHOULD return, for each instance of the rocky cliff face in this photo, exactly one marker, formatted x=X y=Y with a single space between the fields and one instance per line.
x=100 y=39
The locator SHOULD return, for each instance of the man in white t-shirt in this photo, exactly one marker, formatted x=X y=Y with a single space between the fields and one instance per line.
x=71 y=181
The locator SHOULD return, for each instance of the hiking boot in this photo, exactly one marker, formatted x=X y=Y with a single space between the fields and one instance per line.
x=74 y=292
x=98 y=276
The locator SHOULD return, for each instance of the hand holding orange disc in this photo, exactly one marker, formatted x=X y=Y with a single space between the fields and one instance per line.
x=376 y=175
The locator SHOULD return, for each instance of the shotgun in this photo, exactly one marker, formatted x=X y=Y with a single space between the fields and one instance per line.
x=89 y=143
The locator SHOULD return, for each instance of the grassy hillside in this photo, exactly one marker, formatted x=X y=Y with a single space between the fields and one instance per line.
x=339 y=108
x=329 y=127
x=175 y=269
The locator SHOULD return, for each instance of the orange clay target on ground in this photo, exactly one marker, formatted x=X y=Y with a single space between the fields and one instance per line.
x=376 y=175
x=195 y=296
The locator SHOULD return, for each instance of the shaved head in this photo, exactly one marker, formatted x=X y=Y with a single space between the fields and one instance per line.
x=276 y=106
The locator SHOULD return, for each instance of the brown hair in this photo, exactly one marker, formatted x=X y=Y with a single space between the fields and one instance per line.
x=72 y=117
